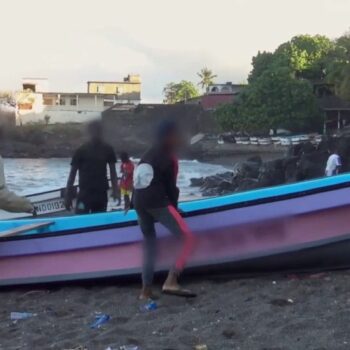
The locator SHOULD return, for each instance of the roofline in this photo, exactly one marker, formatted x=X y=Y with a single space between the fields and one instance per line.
x=77 y=93
x=113 y=82
x=35 y=78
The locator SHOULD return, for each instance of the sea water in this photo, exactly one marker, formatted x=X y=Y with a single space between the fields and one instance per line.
x=28 y=176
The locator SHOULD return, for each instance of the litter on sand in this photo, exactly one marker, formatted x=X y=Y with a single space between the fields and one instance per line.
x=149 y=306
x=100 y=320
x=14 y=316
x=200 y=347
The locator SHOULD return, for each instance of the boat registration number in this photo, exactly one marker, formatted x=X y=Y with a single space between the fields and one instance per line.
x=51 y=206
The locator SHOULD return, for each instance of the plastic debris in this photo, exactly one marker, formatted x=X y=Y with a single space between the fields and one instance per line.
x=282 y=302
x=200 y=347
x=14 y=316
x=129 y=347
x=151 y=305
x=100 y=320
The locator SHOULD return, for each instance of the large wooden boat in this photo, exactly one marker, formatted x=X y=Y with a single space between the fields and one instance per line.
x=295 y=226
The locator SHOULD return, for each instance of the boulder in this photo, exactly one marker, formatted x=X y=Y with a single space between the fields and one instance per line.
x=197 y=182
x=272 y=173
x=291 y=170
x=247 y=169
x=247 y=184
x=312 y=165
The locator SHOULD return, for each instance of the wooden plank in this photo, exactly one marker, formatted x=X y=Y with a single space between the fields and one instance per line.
x=20 y=229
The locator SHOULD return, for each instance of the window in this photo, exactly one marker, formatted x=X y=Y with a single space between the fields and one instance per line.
x=73 y=101
x=48 y=101
x=62 y=101
x=108 y=103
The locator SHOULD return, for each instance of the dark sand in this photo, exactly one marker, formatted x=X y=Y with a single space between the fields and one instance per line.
x=228 y=314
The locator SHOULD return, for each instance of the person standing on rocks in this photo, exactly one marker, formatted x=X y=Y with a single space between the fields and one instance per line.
x=333 y=164
x=155 y=198
x=91 y=161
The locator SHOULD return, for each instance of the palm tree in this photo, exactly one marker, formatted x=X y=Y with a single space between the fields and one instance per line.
x=207 y=78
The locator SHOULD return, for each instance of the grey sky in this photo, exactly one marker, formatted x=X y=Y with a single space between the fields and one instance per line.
x=73 y=41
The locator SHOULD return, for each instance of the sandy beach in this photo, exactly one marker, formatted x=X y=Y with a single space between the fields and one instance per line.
x=273 y=312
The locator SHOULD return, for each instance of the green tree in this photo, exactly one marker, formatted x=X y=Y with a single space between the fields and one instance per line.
x=275 y=100
x=169 y=93
x=338 y=67
x=306 y=55
x=207 y=78
x=261 y=62
x=177 y=92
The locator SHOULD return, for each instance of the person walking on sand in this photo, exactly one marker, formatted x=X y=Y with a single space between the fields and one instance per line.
x=155 y=199
x=126 y=182
x=91 y=161
x=333 y=164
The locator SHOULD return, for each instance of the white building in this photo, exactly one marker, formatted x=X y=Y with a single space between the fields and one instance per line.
x=36 y=104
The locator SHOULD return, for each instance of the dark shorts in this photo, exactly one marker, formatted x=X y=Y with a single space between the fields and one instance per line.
x=88 y=203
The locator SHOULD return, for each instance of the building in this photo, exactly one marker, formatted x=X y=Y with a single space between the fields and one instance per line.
x=35 y=103
x=128 y=90
x=217 y=94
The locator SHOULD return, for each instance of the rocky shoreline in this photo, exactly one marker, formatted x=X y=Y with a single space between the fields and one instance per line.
x=302 y=162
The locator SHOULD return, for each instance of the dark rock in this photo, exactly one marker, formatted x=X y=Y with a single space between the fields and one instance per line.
x=247 y=184
x=291 y=171
x=248 y=169
x=197 y=182
x=312 y=165
x=226 y=186
x=281 y=302
x=255 y=159
x=272 y=173
x=229 y=333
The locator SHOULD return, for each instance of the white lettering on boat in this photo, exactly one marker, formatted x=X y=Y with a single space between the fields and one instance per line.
x=51 y=206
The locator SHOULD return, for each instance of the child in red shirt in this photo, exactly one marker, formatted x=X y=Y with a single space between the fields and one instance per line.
x=126 y=182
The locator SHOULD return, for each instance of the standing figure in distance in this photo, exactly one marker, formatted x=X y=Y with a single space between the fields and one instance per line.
x=126 y=182
x=91 y=160
x=333 y=164
x=155 y=199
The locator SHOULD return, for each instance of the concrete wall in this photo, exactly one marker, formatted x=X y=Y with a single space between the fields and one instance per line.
x=59 y=114
x=7 y=115
x=134 y=128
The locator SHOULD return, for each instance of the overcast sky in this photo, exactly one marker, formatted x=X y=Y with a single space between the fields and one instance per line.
x=73 y=41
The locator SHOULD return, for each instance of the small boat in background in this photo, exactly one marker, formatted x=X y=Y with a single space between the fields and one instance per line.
x=303 y=225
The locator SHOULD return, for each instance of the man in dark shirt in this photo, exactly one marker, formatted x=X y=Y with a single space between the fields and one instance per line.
x=155 y=199
x=91 y=160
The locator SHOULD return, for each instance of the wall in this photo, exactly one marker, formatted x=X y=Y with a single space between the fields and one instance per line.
x=7 y=115
x=135 y=127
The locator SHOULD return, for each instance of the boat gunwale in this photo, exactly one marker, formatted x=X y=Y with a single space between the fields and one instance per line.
x=187 y=214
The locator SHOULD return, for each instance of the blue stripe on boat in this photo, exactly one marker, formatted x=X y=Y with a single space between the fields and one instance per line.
x=103 y=219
